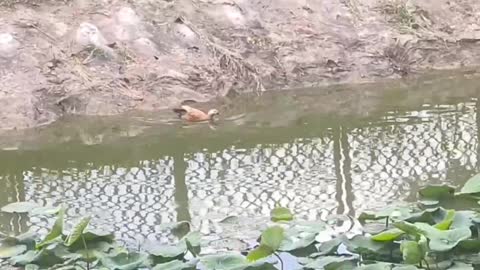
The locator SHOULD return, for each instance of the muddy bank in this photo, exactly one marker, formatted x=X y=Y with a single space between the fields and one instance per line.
x=107 y=57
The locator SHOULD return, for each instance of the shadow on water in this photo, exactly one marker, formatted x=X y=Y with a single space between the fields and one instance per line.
x=320 y=153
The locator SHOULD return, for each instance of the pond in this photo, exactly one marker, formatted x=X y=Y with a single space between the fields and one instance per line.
x=326 y=154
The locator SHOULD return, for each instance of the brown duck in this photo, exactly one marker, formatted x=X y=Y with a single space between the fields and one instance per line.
x=191 y=114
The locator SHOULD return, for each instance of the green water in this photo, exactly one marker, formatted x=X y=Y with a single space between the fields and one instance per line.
x=324 y=153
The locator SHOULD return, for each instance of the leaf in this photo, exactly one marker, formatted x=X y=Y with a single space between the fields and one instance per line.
x=436 y=192
x=273 y=237
x=332 y=262
x=300 y=235
x=408 y=228
x=25 y=258
x=32 y=267
x=98 y=235
x=423 y=245
x=27 y=239
x=405 y=267
x=376 y=266
x=281 y=214
x=77 y=231
x=167 y=251
x=386 y=266
x=192 y=242
x=398 y=212
x=429 y=202
x=471 y=186
x=224 y=261
x=260 y=252
x=461 y=266
x=7 y=251
x=45 y=210
x=443 y=240
x=447 y=221
x=388 y=235
x=411 y=252
x=364 y=245
x=470 y=245
x=194 y=238
x=56 y=230
x=327 y=248
x=175 y=265
x=19 y=207
x=464 y=219
x=124 y=261
x=43 y=257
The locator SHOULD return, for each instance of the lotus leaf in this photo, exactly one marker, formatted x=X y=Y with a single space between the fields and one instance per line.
x=364 y=245
x=388 y=235
x=55 y=232
x=471 y=186
x=77 y=231
x=447 y=221
x=328 y=248
x=411 y=252
x=124 y=261
x=7 y=251
x=260 y=252
x=436 y=192
x=175 y=265
x=332 y=262
x=443 y=240
x=273 y=237
x=224 y=261
x=20 y=207
x=281 y=214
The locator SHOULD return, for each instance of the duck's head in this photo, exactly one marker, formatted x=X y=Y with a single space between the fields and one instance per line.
x=212 y=113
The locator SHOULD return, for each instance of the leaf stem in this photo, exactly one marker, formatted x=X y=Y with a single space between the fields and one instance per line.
x=280 y=259
x=426 y=264
x=86 y=250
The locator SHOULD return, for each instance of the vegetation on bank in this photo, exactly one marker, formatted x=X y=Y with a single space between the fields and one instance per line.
x=420 y=235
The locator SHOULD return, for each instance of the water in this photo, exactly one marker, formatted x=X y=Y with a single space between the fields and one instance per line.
x=323 y=154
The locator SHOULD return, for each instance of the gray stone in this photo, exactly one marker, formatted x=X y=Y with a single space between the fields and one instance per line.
x=88 y=34
x=8 y=45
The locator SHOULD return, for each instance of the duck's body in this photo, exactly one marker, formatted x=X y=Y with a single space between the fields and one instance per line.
x=190 y=114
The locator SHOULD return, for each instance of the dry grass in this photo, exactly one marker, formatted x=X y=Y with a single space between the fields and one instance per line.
x=400 y=13
x=401 y=57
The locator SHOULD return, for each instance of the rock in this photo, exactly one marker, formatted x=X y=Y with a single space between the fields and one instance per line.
x=88 y=34
x=127 y=16
x=234 y=15
x=8 y=45
x=127 y=26
x=146 y=47
x=60 y=29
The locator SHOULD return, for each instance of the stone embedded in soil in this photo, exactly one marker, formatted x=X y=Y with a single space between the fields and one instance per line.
x=127 y=16
x=8 y=45
x=88 y=34
x=146 y=47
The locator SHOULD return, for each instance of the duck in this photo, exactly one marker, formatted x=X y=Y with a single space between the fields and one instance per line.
x=191 y=114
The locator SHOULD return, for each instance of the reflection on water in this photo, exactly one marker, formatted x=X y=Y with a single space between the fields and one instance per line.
x=341 y=169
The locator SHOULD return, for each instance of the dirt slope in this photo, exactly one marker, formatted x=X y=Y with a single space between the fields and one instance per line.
x=106 y=57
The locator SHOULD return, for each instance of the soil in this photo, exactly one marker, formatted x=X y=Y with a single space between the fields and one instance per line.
x=91 y=57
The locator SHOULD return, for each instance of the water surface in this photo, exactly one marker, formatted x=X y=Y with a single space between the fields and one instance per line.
x=323 y=153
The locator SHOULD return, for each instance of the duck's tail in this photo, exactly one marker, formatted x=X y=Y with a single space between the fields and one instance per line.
x=179 y=111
